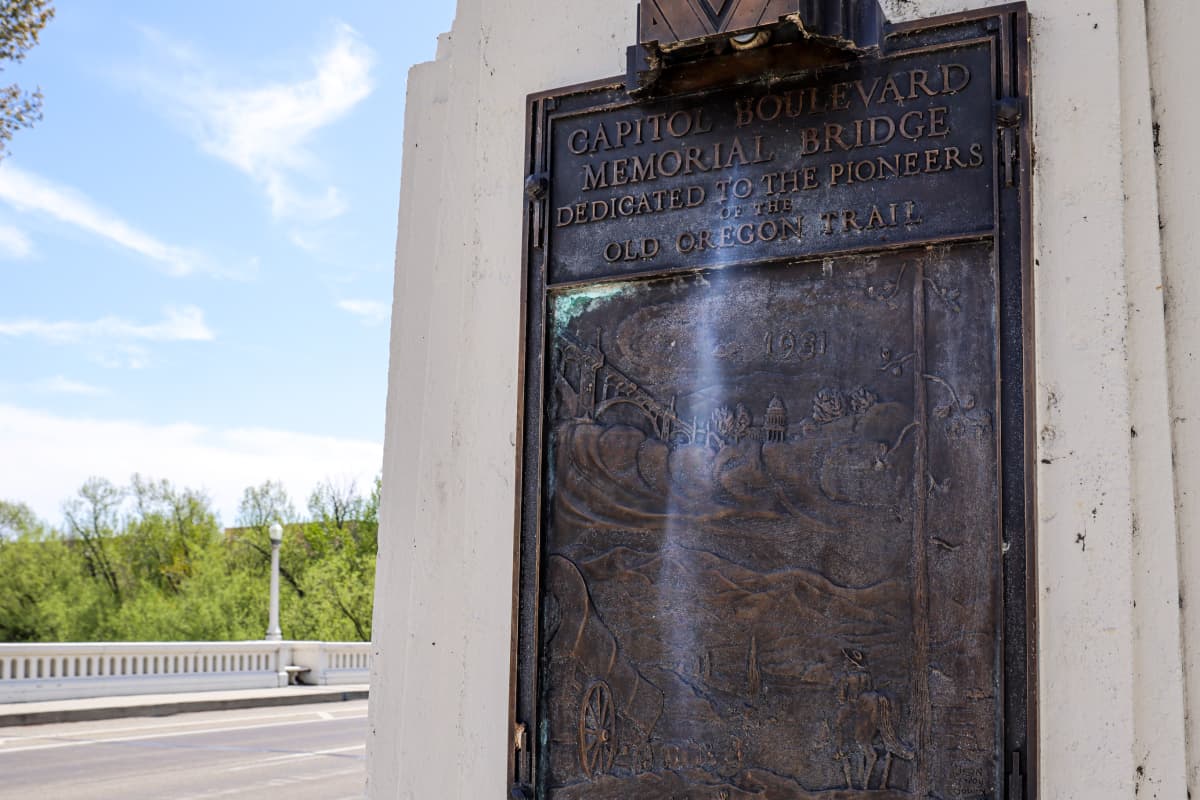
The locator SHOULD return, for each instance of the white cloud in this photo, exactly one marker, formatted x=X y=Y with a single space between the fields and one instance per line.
x=14 y=243
x=121 y=356
x=26 y=191
x=54 y=455
x=372 y=311
x=61 y=385
x=305 y=240
x=184 y=324
x=265 y=130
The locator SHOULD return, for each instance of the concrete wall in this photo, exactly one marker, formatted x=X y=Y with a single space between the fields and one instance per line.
x=69 y=670
x=1118 y=394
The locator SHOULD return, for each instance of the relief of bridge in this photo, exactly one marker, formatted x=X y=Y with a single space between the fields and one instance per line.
x=598 y=387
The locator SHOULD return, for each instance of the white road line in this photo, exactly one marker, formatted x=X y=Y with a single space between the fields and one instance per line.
x=117 y=740
x=257 y=789
x=266 y=762
x=165 y=724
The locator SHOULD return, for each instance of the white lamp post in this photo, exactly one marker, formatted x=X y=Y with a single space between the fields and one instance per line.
x=274 y=634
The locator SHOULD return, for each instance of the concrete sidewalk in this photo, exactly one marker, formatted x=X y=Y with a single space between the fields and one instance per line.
x=161 y=705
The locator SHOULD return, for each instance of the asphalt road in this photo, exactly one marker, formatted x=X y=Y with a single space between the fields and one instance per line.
x=314 y=752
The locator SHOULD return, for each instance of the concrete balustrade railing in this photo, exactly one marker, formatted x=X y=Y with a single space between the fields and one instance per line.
x=63 y=671
x=334 y=662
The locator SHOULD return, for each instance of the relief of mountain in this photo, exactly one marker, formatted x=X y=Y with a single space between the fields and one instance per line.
x=697 y=613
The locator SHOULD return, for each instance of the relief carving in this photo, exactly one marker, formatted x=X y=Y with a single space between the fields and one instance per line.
x=866 y=724
x=887 y=291
x=734 y=538
x=894 y=363
x=961 y=417
x=597 y=730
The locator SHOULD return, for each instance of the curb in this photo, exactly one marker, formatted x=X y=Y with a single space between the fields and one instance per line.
x=167 y=708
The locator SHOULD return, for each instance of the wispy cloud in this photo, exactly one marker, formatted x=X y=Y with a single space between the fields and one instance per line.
x=372 y=312
x=59 y=453
x=121 y=356
x=305 y=240
x=61 y=385
x=14 y=243
x=266 y=130
x=26 y=191
x=184 y=324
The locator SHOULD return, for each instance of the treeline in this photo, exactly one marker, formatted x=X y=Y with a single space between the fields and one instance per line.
x=151 y=562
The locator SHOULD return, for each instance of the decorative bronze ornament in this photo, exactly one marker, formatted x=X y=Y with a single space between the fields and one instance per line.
x=679 y=34
x=774 y=518
x=674 y=23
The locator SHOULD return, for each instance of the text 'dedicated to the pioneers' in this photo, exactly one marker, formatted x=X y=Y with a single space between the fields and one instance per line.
x=858 y=156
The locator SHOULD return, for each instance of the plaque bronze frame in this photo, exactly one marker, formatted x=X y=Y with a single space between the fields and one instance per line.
x=606 y=263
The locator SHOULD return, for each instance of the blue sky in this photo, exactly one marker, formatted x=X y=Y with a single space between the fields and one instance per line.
x=196 y=244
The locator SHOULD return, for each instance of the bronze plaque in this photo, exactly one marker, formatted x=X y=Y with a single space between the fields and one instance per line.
x=772 y=533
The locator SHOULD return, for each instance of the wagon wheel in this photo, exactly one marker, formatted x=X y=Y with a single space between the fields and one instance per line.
x=597 y=730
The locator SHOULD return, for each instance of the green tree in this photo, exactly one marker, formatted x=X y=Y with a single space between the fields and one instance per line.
x=45 y=593
x=261 y=506
x=341 y=592
x=148 y=562
x=371 y=507
x=17 y=519
x=36 y=568
x=93 y=519
x=169 y=533
x=21 y=24
x=179 y=580
x=340 y=544
x=336 y=506
x=24 y=575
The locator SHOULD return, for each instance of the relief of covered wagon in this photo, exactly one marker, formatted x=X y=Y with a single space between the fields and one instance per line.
x=597 y=696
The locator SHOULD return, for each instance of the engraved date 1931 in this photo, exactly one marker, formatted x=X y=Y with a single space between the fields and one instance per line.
x=802 y=345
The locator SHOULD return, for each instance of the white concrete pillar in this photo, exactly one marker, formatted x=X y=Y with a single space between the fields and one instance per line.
x=1118 y=392
x=1174 y=63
